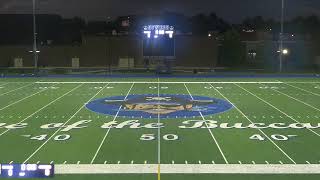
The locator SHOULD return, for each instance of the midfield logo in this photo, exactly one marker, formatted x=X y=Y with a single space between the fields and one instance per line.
x=164 y=105
x=160 y=105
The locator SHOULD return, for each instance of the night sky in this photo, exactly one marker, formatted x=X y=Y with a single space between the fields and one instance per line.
x=231 y=10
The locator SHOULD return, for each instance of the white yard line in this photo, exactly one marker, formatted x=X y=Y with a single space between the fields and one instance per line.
x=22 y=99
x=39 y=148
x=13 y=82
x=159 y=128
x=275 y=108
x=187 y=169
x=303 y=89
x=159 y=136
x=296 y=99
x=213 y=137
x=16 y=89
x=155 y=82
x=44 y=107
x=318 y=82
x=244 y=115
x=106 y=135
x=4 y=84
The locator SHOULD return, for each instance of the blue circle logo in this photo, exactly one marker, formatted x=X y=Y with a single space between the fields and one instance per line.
x=163 y=106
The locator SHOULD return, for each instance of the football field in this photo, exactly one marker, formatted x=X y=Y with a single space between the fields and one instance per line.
x=162 y=126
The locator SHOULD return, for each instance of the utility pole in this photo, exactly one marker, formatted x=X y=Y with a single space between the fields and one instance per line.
x=35 y=49
x=281 y=37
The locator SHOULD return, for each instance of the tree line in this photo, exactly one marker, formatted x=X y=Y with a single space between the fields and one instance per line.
x=17 y=28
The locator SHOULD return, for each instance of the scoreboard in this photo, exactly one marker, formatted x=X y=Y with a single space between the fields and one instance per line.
x=26 y=171
x=158 y=40
x=158 y=30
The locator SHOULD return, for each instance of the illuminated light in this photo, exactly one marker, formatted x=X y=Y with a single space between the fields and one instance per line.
x=9 y=168
x=46 y=168
x=47 y=172
x=36 y=51
x=148 y=33
x=248 y=30
x=285 y=51
x=10 y=173
x=31 y=167
x=209 y=35
x=155 y=31
x=169 y=32
x=23 y=170
x=23 y=167
x=158 y=27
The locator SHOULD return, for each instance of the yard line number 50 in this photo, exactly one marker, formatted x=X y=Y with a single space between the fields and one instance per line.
x=151 y=137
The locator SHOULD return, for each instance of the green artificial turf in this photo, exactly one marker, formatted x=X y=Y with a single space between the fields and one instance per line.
x=25 y=100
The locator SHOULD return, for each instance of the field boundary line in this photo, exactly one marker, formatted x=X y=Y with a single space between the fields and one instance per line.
x=43 y=144
x=44 y=107
x=155 y=82
x=13 y=82
x=244 y=115
x=16 y=89
x=213 y=137
x=187 y=169
x=106 y=135
x=171 y=82
x=287 y=115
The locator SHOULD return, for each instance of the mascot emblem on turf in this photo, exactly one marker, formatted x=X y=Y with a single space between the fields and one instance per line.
x=164 y=105
x=160 y=105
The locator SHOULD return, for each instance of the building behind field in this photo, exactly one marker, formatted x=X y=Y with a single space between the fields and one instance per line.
x=75 y=44
x=262 y=50
x=102 y=51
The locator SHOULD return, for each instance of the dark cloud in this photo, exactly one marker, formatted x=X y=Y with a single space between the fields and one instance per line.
x=232 y=10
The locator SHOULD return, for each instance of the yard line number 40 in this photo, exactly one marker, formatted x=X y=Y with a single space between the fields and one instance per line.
x=276 y=137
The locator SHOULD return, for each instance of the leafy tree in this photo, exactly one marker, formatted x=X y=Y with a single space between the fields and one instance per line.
x=232 y=49
x=199 y=24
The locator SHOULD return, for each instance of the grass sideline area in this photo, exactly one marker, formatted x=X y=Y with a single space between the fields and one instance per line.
x=164 y=123
x=187 y=177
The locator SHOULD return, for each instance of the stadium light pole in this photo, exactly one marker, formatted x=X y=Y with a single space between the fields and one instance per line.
x=35 y=50
x=281 y=36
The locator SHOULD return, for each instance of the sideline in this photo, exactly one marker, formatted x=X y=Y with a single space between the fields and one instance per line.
x=187 y=169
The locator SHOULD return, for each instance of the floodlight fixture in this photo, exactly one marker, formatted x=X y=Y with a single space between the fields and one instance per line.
x=285 y=51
